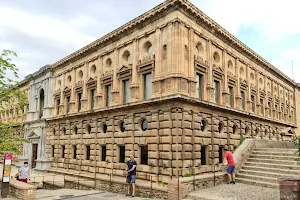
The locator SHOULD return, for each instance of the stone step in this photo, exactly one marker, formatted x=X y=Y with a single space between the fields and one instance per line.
x=271 y=170
x=274 y=157
x=274 y=153
x=276 y=150
x=267 y=173
x=257 y=178
x=258 y=183
x=280 y=162
x=272 y=165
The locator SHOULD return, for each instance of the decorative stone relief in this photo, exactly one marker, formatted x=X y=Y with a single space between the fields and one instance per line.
x=168 y=83
x=156 y=87
x=184 y=85
x=193 y=87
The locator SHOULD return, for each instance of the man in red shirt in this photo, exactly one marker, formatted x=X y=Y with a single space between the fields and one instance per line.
x=231 y=166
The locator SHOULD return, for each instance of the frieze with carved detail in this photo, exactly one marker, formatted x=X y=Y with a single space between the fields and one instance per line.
x=124 y=72
x=184 y=85
x=200 y=60
x=156 y=86
x=168 y=86
x=91 y=82
x=67 y=91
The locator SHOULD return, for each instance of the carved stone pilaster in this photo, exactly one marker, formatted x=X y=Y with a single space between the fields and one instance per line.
x=115 y=97
x=134 y=91
x=156 y=87
x=99 y=101
x=184 y=85
x=210 y=92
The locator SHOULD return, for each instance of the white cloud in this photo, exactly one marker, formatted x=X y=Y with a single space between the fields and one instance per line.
x=60 y=32
x=284 y=61
x=274 y=18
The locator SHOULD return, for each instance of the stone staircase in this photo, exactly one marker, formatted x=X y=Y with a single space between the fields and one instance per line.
x=266 y=165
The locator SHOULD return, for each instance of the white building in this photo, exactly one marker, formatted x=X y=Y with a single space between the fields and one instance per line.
x=40 y=102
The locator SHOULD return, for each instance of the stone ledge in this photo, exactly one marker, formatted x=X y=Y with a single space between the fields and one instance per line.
x=22 y=190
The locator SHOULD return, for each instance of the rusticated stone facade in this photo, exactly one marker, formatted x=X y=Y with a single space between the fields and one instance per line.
x=171 y=87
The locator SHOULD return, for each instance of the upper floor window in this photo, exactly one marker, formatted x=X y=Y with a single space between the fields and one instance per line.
x=270 y=109
x=147 y=86
x=217 y=91
x=199 y=85
x=230 y=96
x=63 y=149
x=252 y=103
x=126 y=91
x=88 y=152
x=93 y=98
x=108 y=95
x=57 y=106
x=79 y=96
x=42 y=97
x=262 y=106
x=68 y=103
x=243 y=100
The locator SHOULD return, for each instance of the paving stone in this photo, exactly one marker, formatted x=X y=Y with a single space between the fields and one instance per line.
x=238 y=191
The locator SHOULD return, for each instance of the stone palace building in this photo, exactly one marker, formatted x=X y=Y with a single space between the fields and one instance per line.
x=171 y=87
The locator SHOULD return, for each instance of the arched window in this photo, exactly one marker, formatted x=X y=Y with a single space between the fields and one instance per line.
x=104 y=128
x=122 y=126
x=88 y=129
x=144 y=125
x=216 y=57
x=203 y=125
x=126 y=56
x=93 y=69
x=108 y=62
x=234 y=129
x=80 y=74
x=199 y=49
x=221 y=127
x=42 y=97
x=75 y=130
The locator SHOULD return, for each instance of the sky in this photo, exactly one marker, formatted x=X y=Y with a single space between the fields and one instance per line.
x=43 y=32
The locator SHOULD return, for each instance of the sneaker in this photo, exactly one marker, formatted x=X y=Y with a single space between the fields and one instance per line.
x=127 y=195
x=229 y=182
x=233 y=182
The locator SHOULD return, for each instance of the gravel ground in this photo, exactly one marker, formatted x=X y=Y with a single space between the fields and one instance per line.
x=238 y=191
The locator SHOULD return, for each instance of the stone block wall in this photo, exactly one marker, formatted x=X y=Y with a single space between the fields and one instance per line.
x=22 y=190
x=176 y=132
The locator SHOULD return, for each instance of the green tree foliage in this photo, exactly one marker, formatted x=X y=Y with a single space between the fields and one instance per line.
x=11 y=97
x=296 y=140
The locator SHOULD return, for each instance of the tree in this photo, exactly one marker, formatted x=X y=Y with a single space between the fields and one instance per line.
x=11 y=97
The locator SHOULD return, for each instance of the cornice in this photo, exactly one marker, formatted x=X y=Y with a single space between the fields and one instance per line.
x=128 y=27
x=188 y=8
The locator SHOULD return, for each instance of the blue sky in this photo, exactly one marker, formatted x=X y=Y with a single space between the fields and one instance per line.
x=43 y=32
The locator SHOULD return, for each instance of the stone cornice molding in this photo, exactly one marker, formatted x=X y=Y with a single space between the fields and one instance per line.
x=193 y=12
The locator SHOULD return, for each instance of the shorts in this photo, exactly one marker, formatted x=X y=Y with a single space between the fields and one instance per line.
x=25 y=180
x=230 y=169
x=130 y=179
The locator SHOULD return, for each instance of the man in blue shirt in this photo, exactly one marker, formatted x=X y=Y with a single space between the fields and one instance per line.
x=131 y=175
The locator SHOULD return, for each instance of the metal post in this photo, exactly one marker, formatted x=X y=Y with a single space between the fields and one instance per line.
x=151 y=186
x=78 y=183
x=194 y=181
x=214 y=175
x=110 y=179
x=178 y=184
x=53 y=179
x=64 y=181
